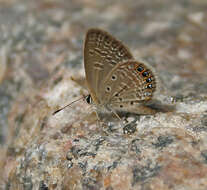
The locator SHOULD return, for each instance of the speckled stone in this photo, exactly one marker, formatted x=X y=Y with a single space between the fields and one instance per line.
x=41 y=49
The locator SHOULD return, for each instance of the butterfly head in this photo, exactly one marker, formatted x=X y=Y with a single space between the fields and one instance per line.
x=88 y=99
x=99 y=108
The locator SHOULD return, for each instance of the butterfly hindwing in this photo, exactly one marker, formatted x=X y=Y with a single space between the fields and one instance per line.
x=127 y=85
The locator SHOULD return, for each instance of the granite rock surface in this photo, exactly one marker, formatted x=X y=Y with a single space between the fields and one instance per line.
x=41 y=49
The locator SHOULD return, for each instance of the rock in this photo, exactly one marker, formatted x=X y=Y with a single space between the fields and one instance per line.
x=71 y=150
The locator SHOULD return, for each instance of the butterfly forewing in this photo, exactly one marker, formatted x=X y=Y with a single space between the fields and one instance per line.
x=102 y=52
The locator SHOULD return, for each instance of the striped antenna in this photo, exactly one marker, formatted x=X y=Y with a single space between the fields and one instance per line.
x=67 y=105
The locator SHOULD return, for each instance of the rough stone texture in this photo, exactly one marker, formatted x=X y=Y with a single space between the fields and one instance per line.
x=41 y=48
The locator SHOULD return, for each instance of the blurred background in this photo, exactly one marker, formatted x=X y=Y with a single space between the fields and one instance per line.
x=40 y=38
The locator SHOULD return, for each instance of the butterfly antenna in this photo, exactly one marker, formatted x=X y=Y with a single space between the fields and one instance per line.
x=67 y=105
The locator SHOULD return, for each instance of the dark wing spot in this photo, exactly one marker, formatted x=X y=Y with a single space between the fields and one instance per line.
x=149 y=86
x=113 y=77
x=145 y=74
x=140 y=68
x=149 y=79
x=108 y=89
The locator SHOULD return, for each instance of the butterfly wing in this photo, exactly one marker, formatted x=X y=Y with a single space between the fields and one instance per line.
x=128 y=85
x=102 y=52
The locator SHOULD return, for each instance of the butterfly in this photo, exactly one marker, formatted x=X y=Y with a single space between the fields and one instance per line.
x=116 y=81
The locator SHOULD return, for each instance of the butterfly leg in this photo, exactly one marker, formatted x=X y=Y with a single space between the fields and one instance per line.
x=98 y=119
x=122 y=121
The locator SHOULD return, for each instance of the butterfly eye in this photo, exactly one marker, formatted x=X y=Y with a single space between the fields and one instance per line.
x=88 y=99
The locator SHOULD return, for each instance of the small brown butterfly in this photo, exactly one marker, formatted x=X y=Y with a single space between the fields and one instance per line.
x=116 y=82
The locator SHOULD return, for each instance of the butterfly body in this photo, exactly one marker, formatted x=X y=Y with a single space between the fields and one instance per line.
x=115 y=80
